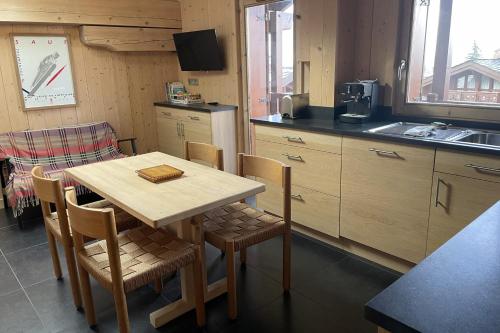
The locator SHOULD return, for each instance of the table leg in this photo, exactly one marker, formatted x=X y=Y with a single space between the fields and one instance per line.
x=191 y=231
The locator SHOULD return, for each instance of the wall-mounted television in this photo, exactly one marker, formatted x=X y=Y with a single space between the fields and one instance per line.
x=198 y=51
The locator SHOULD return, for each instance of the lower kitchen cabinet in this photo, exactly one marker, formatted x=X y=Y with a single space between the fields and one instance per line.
x=457 y=201
x=176 y=126
x=312 y=209
x=385 y=196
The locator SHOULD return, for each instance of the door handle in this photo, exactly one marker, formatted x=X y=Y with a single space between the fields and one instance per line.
x=293 y=139
x=437 y=202
x=294 y=157
x=482 y=168
x=182 y=127
x=297 y=197
x=385 y=152
x=178 y=130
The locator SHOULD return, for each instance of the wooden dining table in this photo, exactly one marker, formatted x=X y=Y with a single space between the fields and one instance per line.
x=178 y=204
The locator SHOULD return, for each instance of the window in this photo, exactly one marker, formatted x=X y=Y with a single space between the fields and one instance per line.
x=485 y=83
x=454 y=50
x=471 y=82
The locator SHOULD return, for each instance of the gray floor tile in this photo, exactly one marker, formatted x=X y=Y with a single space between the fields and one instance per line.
x=17 y=315
x=34 y=264
x=13 y=239
x=8 y=282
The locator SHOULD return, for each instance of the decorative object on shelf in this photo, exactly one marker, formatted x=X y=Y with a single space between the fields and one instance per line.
x=160 y=173
x=177 y=93
x=44 y=70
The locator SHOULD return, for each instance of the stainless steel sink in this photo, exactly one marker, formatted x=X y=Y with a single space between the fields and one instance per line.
x=481 y=138
x=435 y=131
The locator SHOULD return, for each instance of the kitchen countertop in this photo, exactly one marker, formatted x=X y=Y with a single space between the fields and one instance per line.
x=455 y=289
x=330 y=126
x=203 y=107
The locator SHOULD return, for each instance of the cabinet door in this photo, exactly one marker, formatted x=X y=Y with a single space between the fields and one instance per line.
x=385 y=196
x=197 y=132
x=169 y=137
x=457 y=201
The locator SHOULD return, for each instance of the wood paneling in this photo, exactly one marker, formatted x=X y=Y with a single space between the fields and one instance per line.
x=117 y=87
x=130 y=39
x=150 y=13
x=220 y=86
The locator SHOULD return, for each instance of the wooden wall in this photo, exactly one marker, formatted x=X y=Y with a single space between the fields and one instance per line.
x=220 y=86
x=344 y=40
x=113 y=86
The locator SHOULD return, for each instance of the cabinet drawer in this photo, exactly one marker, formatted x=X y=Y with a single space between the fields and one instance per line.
x=312 y=169
x=311 y=209
x=184 y=115
x=386 y=190
x=303 y=139
x=469 y=165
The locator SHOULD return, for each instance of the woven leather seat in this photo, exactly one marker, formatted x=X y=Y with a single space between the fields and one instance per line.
x=124 y=220
x=146 y=254
x=242 y=224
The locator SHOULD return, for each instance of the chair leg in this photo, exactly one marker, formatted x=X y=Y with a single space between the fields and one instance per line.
x=198 y=288
x=231 y=281
x=53 y=253
x=243 y=256
x=287 y=240
x=121 y=310
x=158 y=285
x=73 y=276
x=20 y=223
x=88 y=302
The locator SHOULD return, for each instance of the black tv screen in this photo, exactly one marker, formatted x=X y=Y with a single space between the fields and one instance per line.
x=198 y=51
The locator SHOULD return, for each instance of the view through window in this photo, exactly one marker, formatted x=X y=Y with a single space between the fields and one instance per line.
x=455 y=52
x=269 y=37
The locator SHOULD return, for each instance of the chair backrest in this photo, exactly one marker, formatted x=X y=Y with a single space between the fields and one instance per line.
x=205 y=152
x=50 y=191
x=98 y=224
x=271 y=170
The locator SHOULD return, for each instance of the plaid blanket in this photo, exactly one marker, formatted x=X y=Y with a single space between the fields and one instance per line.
x=56 y=149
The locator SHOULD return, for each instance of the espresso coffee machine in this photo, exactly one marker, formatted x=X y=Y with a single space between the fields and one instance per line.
x=360 y=99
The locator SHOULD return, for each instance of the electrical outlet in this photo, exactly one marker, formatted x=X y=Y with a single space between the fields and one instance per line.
x=193 y=82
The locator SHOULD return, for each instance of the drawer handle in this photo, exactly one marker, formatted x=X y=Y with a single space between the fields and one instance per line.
x=437 y=203
x=194 y=117
x=482 y=168
x=385 y=152
x=294 y=157
x=168 y=114
x=294 y=139
x=297 y=197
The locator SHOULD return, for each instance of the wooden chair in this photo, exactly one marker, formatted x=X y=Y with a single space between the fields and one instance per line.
x=205 y=152
x=127 y=261
x=50 y=191
x=237 y=226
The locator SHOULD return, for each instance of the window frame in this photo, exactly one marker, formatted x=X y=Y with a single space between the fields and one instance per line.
x=402 y=107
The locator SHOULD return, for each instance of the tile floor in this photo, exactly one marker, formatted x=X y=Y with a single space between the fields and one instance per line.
x=329 y=289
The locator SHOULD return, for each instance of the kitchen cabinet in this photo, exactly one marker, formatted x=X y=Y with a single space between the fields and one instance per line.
x=385 y=196
x=464 y=186
x=316 y=163
x=176 y=126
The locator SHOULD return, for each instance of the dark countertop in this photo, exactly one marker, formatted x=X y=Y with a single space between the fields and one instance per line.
x=455 y=289
x=328 y=125
x=203 y=107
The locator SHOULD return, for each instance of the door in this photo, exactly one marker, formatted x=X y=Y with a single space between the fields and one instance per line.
x=169 y=137
x=457 y=201
x=269 y=55
x=385 y=192
x=196 y=131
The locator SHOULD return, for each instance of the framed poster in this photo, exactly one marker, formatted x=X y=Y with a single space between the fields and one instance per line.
x=44 y=70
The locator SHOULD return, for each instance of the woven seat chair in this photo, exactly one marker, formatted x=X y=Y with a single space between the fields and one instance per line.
x=237 y=226
x=50 y=191
x=127 y=261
